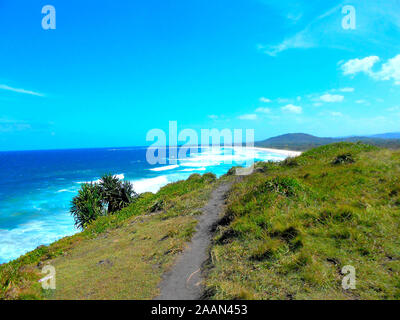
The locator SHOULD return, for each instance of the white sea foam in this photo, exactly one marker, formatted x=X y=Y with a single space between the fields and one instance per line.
x=174 y=166
x=26 y=237
x=193 y=169
x=66 y=190
x=120 y=176
x=149 y=184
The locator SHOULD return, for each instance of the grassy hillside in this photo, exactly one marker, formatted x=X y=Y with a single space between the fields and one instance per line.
x=287 y=231
x=121 y=256
x=302 y=141
x=290 y=227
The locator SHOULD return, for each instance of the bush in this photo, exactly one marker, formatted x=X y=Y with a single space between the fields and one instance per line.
x=343 y=158
x=209 y=176
x=115 y=193
x=290 y=162
x=194 y=177
x=282 y=185
x=232 y=171
x=106 y=197
x=87 y=205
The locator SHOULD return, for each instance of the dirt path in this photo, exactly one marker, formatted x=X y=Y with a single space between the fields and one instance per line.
x=183 y=282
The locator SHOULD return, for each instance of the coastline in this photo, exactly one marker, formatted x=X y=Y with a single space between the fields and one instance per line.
x=289 y=153
x=159 y=177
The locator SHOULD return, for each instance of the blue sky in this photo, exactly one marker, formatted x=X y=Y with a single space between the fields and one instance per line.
x=112 y=70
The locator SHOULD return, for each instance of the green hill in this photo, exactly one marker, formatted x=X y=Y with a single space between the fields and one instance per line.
x=302 y=141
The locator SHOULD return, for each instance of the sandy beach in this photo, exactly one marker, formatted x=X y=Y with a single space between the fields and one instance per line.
x=288 y=153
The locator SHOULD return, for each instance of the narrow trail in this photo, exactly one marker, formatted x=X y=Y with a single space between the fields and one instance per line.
x=183 y=281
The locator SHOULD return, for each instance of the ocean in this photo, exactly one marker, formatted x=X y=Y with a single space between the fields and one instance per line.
x=36 y=187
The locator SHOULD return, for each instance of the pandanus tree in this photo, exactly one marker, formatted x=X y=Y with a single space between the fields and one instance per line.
x=116 y=193
x=106 y=197
x=87 y=205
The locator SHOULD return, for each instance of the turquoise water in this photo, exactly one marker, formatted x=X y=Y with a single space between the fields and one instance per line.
x=36 y=187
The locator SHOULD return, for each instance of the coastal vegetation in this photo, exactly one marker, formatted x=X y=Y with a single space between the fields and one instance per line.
x=99 y=199
x=117 y=256
x=291 y=227
x=287 y=232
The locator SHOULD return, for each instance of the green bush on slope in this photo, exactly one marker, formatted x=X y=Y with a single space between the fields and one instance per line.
x=98 y=199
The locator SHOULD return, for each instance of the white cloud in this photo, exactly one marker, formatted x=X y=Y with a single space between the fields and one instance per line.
x=378 y=25
x=354 y=66
x=298 y=41
x=361 y=101
x=317 y=104
x=308 y=37
x=265 y=100
x=263 y=110
x=390 y=70
x=213 y=116
x=290 y=108
x=248 y=117
x=331 y=98
x=18 y=90
x=346 y=90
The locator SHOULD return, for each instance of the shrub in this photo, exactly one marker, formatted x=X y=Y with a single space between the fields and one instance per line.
x=194 y=176
x=209 y=176
x=343 y=159
x=268 y=249
x=157 y=205
x=290 y=162
x=282 y=185
x=115 y=193
x=87 y=205
x=232 y=171
x=106 y=197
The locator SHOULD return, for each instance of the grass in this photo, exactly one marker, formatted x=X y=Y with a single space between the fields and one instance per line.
x=121 y=256
x=286 y=233
x=290 y=227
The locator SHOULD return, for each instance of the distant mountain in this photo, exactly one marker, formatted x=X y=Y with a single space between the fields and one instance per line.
x=303 y=141
x=390 y=135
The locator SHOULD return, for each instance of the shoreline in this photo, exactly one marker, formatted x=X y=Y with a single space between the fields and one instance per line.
x=289 y=153
x=160 y=180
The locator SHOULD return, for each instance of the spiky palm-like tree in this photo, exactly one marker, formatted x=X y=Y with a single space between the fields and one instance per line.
x=115 y=193
x=106 y=197
x=87 y=205
x=110 y=191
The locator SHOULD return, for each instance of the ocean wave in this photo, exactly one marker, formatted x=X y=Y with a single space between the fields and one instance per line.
x=149 y=184
x=65 y=190
x=193 y=169
x=174 y=166
x=26 y=237
x=120 y=176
